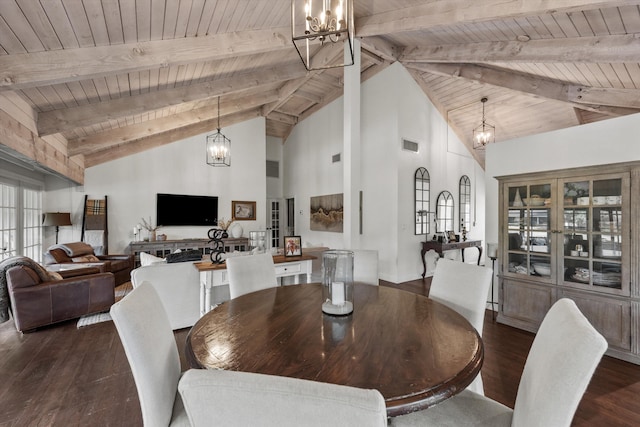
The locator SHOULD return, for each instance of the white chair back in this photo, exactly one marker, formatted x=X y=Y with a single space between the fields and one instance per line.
x=250 y=273
x=365 y=266
x=151 y=349
x=464 y=288
x=178 y=286
x=560 y=364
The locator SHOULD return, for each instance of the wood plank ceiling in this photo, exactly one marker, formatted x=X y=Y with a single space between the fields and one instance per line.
x=116 y=77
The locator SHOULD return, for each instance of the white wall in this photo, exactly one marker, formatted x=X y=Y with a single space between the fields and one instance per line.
x=393 y=107
x=609 y=141
x=133 y=181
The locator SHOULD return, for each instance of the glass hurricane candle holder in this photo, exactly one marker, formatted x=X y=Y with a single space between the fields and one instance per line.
x=337 y=282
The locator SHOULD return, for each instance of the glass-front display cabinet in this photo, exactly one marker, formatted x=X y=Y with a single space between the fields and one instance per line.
x=595 y=233
x=573 y=234
x=530 y=221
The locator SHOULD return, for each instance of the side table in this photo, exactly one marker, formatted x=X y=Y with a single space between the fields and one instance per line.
x=440 y=248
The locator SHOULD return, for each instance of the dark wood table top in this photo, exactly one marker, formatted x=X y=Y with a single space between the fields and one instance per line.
x=415 y=351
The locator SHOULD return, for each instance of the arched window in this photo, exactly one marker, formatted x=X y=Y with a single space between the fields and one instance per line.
x=422 y=186
x=465 y=203
x=444 y=212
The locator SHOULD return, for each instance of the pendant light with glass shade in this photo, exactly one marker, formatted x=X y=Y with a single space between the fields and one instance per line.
x=218 y=147
x=485 y=133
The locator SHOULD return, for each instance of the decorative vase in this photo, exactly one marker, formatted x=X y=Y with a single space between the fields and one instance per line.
x=152 y=236
x=517 y=200
x=235 y=230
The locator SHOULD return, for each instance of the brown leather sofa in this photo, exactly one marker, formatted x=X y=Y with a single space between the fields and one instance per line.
x=80 y=252
x=39 y=298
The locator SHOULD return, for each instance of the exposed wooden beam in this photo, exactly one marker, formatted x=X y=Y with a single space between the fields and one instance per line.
x=283 y=118
x=525 y=83
x=62 y=120
x=286 y=91
x=379 y=47
x=168 y=137
x=439 y=13
x=327 y=55
x=612 y=49
x=103 y=140
x=308 y=95
x=20 y=71
x=607 y=96
x=18 y=138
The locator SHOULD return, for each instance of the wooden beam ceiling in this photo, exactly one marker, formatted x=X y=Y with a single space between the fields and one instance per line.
x=440 y=13
x=66 y=119
x=59 y=66
x=610 y=49
x=626 y=99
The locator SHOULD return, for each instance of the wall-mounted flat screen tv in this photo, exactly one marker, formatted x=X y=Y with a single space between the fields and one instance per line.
x=183 y=209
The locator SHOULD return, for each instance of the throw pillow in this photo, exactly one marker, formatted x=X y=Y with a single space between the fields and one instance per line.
x=54 y=276
x=184 y=256
x=148 y=259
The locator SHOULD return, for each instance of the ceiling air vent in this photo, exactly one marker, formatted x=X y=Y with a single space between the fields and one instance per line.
x=335 y=158
x=410 y=145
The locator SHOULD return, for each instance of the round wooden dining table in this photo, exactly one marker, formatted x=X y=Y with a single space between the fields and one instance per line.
x=415 y=351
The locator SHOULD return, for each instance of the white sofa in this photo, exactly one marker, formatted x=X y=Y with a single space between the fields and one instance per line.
x=178 y=285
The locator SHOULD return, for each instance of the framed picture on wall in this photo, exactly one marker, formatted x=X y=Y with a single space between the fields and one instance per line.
x=292 y=246
x=243 y=211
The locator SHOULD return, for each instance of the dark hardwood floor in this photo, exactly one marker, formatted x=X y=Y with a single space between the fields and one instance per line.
x=63 y=376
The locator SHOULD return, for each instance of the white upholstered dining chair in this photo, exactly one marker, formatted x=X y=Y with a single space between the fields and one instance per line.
x=560 y=364
x=464 y=288
x=215 y=397
x=250 y=273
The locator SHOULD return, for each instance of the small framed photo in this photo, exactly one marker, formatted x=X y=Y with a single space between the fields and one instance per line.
x=292 y=246
x=243 y=211
x=452 y=236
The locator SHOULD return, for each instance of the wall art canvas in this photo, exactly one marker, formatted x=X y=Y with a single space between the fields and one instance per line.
x=327 y=213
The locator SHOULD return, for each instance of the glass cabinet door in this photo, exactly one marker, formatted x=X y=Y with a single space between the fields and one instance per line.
x=529 y=227
x=594 y=233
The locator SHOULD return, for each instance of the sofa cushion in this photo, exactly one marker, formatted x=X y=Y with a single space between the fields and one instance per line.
x=22 y=277
x=86 y=258
x=74 y=249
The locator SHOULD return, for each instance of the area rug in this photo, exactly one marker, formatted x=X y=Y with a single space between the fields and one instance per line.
x=91 y=319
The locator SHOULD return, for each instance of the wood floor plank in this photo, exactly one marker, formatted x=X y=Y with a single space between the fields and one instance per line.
x=63 y=376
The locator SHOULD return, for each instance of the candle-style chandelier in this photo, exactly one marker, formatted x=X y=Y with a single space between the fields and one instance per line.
x=485 y=133
x=316 y=24
x=218 y=147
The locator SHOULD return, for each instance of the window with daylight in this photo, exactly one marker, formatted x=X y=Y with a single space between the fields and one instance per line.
x=20 y=221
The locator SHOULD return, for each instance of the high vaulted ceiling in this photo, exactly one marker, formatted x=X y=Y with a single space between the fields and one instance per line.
x=115 y=77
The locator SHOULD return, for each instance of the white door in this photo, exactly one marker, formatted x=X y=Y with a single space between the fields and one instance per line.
x=275 y=222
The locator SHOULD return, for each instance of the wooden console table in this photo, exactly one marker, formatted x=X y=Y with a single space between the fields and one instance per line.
x=440 y=248
x=214 y=276
x=162 y=248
